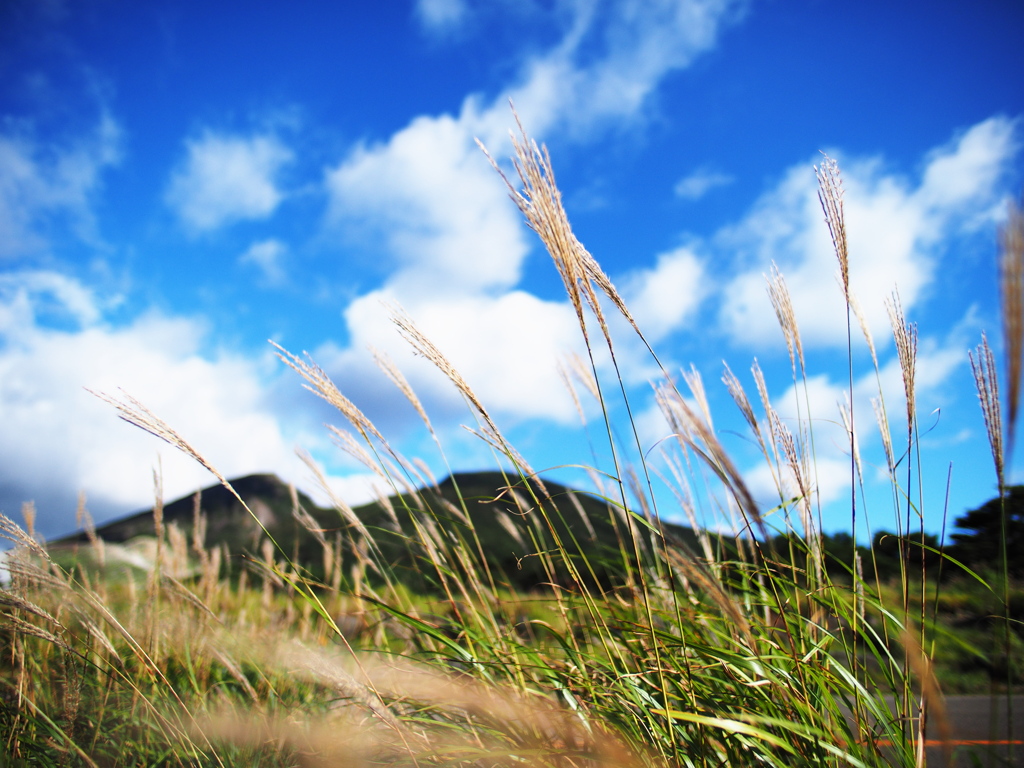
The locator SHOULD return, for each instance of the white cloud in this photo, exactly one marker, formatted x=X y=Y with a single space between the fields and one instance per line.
x=428 y=197
x=606 y=66
x=665 y=296
x=42 y=188
x=830 y=482
x=226 y=179
x=439 y=206
x=639 y=43
x=34 y=296
x=429 y=193
x=506 y=348
x=971 y=163
x=440 y=15
x=895 y=231
x=58 y=439
x=266 y=256
x=700 y=182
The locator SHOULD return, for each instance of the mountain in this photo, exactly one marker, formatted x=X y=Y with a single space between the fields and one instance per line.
x=511 y=533
x=227 y=521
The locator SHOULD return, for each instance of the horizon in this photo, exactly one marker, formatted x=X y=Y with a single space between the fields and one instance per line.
x=180 y=183
x=235 y=481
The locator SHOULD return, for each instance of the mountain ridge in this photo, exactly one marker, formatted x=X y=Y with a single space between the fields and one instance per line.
x=504 y=523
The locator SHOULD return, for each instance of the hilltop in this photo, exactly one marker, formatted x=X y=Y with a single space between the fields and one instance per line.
x=508 y=523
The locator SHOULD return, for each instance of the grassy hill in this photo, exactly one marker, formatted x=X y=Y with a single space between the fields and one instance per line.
x=512 y=528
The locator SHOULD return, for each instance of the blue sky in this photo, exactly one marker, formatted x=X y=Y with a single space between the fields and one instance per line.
x=182 y=181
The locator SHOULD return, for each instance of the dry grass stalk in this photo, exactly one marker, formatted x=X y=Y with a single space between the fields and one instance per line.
x=99 y=636
x=313 y=744
x=532 y=720
x=424 y=474
x=883 y=428
x=84 y=520
x=636 y=488
x=863 y=322
x=320 y=384
x=695 y=384
x=389 y=509
x=684 y=496
x=24 y=627
x=800 y=493
x=905 y=335
x=540 y=201
x=584 y=374
x=11 y=531
x=178 y=565
x=135 y=413
x=199 y=524
x=709 y=584
x=566 y=377
x=305 y=519
x=986 y=379
x=398 y=379
x=337 y=502
x=190 y=597
x=510 y=527
x=522 y=467
x=775 y=428
x=20 y=603
x=26 y=574
x=847 y=418
x=425 y=347
x=574 y=500
x=796 y=463
x=221 y=655
x=1011 y=274
x=782 y=303
x=830 y=194
x=28 y=514
x=739 y=396
x=694 y=433
x=347 y=442
x=933 y=704
x=455 y=511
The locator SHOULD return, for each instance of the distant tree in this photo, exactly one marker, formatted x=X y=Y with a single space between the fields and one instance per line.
x=888 y=550
x=839 y=555
x=978 y=543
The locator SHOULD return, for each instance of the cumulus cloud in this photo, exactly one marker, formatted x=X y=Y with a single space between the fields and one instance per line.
x=33 y=297
x=440 y=15
x=668 y=294
x=58 y=439
x=227 y=178
x=507 y=349
x=44 y=185
x=266 y=256
x=428 y=193
x=427 y=198
x=895 y=229
x=613 y=57
x=701 y=181
x=438 y=205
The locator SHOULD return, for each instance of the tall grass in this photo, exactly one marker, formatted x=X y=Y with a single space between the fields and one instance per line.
x=744 y=652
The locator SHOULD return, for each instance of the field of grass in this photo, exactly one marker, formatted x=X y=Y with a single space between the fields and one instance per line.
x=707 y=653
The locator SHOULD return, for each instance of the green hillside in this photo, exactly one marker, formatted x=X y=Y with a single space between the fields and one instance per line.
x=511 y=527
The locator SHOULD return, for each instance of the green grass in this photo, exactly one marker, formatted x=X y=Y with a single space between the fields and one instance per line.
x=712 y=652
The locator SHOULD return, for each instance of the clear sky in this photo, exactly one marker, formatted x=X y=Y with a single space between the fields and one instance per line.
x=182 y=181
